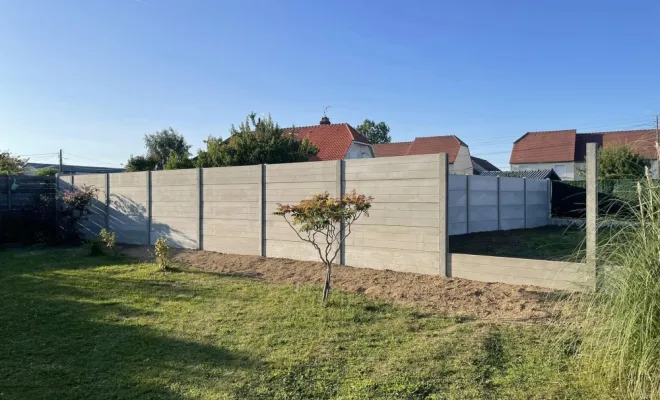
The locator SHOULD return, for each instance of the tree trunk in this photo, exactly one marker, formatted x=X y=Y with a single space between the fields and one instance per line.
x=326 y=288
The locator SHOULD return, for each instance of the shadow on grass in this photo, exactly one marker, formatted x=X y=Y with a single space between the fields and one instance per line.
x=71 y=337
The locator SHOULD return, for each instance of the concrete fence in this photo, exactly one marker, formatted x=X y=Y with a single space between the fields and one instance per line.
x=230 y=210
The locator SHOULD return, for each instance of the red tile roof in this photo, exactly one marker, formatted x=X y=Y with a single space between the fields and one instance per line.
x=333 y=140
x=541 y=147
x=555 y=146
x=424 y=145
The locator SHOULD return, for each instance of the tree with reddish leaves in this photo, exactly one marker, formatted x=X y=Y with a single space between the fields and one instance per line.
x=319 y=221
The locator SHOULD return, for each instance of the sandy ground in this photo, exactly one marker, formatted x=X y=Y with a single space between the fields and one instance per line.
x=460 y=297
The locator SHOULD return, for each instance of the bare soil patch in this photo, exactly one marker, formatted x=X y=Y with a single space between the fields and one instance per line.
x=452 y=296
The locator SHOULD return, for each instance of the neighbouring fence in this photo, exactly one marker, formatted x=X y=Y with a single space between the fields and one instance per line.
x=486 y=203
x=27 y=208
x=231 y=210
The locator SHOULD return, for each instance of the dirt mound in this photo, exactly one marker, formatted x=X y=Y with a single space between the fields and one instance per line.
x=432 y=293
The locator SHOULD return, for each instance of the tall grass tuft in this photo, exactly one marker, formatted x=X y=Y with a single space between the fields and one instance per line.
x=619 y=325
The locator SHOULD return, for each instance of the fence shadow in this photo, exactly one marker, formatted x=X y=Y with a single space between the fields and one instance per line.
x=82 y=342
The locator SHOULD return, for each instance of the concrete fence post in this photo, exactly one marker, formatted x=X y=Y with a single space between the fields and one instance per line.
x=339 y=177
x=200 y=208
x=498 y=203
x=148 y=208
x=443 y=221
x=524 y=202
x=262 y=210
x=107 y=201
x=592 y=209
x=467 y=204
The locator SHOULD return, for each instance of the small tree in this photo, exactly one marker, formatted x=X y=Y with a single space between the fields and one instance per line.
x=176 y=161
x=319 y=220
x=75 y=208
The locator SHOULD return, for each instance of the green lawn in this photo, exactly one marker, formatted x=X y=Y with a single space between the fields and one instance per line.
x=77 y=327
x=545 y=243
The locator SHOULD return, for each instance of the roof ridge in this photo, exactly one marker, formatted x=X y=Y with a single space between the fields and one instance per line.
x=393 y=143
x=621 y=131
x=314 y=126
x=552 y=131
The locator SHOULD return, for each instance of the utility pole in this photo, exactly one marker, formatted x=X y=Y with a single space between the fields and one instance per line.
x=60 y=161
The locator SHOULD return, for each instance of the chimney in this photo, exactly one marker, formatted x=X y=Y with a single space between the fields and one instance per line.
x=325 y=121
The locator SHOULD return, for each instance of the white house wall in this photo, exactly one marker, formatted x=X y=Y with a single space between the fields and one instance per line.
x=359 y=150
x=463 y=163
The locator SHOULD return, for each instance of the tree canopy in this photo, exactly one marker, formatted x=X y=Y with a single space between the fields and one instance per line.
x=255 y=141
x=11 y=165
x=160 y=147
x=375 y=132
x=620 y=163
x=48 y=171
x=140 y=163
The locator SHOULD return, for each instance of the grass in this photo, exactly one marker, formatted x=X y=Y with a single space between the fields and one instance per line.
x=79 y=327
x=545 y=243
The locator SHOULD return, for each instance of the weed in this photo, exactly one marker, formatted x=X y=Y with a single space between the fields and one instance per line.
x=162 y=250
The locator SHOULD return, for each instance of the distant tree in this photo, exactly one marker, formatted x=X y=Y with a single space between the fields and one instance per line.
x=255 y=142
x=140 y=163
x=48 y=171
x=161 y=145
x=11 y=165
x=620 y=163
x=318 y=223
x=175 y=161
x=375 y=132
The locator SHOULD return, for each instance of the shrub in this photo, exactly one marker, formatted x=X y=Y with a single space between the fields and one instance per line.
x=94 y=246
x=322 y=215
x=109 y=240
x=620 y=330
x=75 y=208
x=162 y=250
x=48 y=171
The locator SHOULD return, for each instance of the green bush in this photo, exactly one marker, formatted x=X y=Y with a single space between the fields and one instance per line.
x=162 y=250
x=50 y=171
x=94 y=247
x=109 y=240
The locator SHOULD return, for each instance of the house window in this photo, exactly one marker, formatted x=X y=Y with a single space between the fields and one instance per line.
x=560 y=169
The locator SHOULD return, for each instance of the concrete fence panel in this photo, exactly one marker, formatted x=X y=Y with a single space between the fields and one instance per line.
x=129 y=207
x=96 y=220
x=458 y=206
x=175 y=207
x=482 y=203
x=401 y=232
x=289 y=184
x=512 y=203
x=536 y=203
x=231 y=209
x=517 y=271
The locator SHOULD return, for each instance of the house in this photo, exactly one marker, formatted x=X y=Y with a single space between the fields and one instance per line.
x=460 y=162
x=529 y=174
x=31 y=169
x=335 y=141
x=565 y=150
x=479 y=166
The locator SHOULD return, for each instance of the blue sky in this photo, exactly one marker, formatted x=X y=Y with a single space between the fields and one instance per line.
x=92 y=77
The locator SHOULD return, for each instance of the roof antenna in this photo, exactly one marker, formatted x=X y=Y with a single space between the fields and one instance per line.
x=325 y=110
